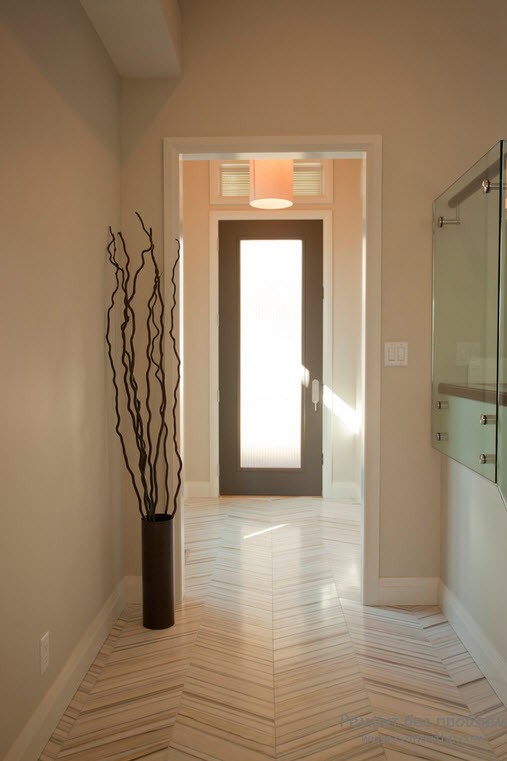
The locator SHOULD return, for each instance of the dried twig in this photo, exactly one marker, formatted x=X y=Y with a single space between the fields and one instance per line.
x=176 y=385
x=150 y=479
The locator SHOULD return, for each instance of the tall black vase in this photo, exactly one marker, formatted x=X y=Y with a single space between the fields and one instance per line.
x=158 y=579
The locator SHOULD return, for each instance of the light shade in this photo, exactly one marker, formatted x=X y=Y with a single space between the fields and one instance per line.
x=271 y=183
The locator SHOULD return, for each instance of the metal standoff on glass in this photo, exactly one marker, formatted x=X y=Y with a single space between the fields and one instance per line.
x=487 y=459
x=442 y=436
x=487 y=185
x=487 y=420
x=315 y=394
x=442 y=405
x=443 y=221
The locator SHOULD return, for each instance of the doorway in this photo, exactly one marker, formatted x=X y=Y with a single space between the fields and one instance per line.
x=270 y=357
x=369 y=149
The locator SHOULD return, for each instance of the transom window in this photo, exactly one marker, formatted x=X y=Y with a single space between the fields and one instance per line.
x=230 y=180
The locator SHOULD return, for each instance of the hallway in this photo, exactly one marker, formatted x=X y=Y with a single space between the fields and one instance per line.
x=272 y=656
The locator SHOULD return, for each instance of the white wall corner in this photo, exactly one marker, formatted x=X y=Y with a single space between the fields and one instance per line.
x=345 y=491
x=197 y=489
x=482 y=650
x=408 y=590
x=35 y=734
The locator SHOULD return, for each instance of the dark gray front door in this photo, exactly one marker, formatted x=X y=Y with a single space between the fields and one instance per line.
x=270 y=357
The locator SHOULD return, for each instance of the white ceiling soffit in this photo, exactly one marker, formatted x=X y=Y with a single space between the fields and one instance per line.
x=142 y=37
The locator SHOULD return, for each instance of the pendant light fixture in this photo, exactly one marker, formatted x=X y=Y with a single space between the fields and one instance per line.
x=271 y=183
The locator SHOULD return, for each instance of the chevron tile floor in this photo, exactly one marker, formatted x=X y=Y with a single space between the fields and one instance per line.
x=274 y=657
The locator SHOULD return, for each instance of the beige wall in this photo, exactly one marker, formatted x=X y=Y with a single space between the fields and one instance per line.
x=346 y=211
x=60 y=553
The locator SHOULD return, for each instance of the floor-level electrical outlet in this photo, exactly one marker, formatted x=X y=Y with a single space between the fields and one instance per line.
x=44 y=653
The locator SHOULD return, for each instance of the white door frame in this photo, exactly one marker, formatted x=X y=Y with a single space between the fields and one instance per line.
x=301 y=147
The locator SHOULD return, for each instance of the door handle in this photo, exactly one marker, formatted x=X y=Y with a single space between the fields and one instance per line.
x=315 y=393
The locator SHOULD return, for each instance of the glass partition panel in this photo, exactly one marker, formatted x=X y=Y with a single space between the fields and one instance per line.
x=502 y=343
x=465 y=317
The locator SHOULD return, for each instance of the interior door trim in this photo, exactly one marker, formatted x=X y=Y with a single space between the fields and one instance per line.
x=369 y=147
x=327 y=325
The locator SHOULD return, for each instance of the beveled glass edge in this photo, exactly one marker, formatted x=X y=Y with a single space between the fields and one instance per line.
x=475 y=165
x=502 y=302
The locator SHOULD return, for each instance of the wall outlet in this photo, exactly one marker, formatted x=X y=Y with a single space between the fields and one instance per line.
x=44 y=653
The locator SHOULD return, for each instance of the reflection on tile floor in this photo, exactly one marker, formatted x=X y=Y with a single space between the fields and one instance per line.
x=273 y=657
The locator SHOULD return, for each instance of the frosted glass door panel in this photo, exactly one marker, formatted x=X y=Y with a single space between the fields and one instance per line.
x=271 y=286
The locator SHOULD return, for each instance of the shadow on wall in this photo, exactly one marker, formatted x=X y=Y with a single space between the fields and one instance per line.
x=152 y=96
x=67 y=60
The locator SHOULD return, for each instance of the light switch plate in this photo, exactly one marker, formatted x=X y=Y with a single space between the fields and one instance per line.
x=396 y=354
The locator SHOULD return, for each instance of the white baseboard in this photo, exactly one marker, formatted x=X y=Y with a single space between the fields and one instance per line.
x=346 y=491
x=482 y=650
x=343 y=491
x=133 y=589
x=39 y=728
x=408 y=591
x=197 y=489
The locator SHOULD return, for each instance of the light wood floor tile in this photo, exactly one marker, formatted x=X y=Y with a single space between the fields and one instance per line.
x=318 y=687
x=413 y=695
x=273 y=657
x=395 y=755
x=475 y=691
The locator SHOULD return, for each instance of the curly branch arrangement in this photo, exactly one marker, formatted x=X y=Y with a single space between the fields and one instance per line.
x=143 y=396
